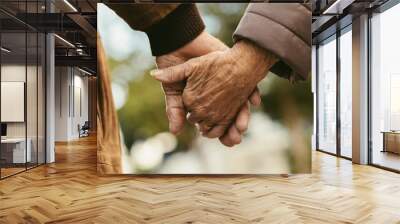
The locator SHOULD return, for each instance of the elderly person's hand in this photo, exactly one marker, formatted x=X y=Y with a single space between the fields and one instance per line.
x=218 y=86
x=175 y=108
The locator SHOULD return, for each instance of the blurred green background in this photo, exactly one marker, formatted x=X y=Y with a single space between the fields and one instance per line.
x=278 y=139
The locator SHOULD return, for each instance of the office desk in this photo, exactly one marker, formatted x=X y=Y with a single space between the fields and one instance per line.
x=391 y=141
x=13 y=150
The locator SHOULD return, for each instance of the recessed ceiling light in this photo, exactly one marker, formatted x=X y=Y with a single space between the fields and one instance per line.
x=65 y=41
x=84 y=71
x=5 y=50
x=70 y=5
x=337 y=7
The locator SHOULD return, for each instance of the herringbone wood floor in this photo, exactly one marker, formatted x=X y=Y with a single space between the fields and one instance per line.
x=70 y=191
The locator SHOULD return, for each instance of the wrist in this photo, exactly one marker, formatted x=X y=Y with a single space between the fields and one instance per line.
x=252 y=58
x=177 y=28
x=201 y=45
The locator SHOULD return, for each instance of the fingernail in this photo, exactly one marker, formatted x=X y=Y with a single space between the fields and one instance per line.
x=154 y=72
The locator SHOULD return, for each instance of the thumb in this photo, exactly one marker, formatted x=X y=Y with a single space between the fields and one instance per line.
x=172 y=74
x=176 y=113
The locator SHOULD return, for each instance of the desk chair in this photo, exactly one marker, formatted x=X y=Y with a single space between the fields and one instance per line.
x=84 y=130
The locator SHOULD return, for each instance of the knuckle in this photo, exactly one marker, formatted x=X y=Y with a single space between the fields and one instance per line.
x=237 y=140
x=200 y=112
x=186 y=67
x=241 y=126
x=188 y=99
x=220 y=132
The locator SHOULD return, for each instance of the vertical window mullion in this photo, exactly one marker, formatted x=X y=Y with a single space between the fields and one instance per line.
x=37 y=90
x=0 y=95
x=369 y=96
x=338 y=73
x=317 y=97
x=26 y=86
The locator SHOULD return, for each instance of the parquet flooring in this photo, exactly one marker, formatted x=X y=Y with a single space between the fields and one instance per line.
x=11 y=170
x=69 y=191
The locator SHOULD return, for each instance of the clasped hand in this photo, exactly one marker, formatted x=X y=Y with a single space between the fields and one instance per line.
x=214 y=90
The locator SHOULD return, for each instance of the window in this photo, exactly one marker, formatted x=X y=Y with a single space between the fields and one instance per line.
x=385 y=89
x=346 y=92
x=327 y=95
x=334 y=77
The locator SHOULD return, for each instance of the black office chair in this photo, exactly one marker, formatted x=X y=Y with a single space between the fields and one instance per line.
x=84 y=130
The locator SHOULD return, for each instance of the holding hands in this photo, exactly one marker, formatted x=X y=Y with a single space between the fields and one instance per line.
x=210 y=85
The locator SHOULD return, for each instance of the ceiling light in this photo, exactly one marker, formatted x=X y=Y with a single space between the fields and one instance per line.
x=70 y=5
x=5 y=50
x=65 y=41
x=84 y=71
x=337 y=7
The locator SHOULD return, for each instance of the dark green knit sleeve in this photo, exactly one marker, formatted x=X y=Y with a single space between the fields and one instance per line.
x=168 y=26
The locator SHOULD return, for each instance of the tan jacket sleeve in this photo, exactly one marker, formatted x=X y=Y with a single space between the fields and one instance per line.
x=109 y=147
x=284 y=29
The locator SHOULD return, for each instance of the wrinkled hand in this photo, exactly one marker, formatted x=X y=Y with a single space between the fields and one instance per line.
x=176 y=112
x=218 y=86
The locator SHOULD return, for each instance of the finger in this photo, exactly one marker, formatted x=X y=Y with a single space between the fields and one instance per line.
x=242 y=119
x=255 y=97
x=232 y=137
x=172 y=74
x=193 y=118
x=175 y=112
x=204 y=127
x=216 y=131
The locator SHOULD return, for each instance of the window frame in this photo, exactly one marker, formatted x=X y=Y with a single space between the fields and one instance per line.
x=29 y=29
x=378 y=10
x=339 y=32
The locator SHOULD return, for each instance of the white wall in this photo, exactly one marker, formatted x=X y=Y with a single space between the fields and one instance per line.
x=62 y=80
x=71 y=94
x=80 y=109
x=50 y=94
x=360 y=90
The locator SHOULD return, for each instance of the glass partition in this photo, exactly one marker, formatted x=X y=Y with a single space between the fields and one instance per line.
x=41 y=88
x=32 y=98
x=22 y=77
x=35 y=49
x=14 y=153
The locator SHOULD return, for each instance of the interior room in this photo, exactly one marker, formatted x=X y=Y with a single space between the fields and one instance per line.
x=335 y=42
x=48 y=150
x=72 y=107
x=385 y=89
x=22 y=99
x=48 y=83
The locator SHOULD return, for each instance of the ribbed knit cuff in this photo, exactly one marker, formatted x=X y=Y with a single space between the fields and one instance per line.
x=176 y=30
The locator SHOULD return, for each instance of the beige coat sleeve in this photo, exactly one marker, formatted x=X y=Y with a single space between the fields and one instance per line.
x=284 y=29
